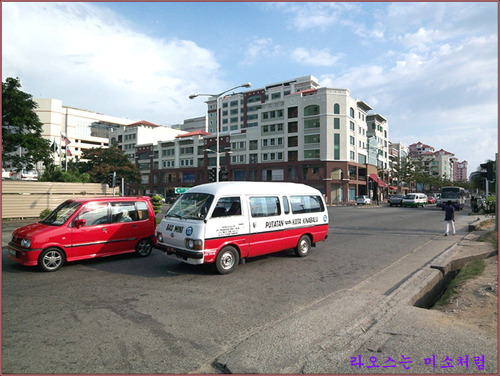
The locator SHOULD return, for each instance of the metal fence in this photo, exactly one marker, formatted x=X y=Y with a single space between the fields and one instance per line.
x=27 y=199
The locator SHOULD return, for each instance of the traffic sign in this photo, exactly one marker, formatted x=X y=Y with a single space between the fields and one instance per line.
x=180 y=190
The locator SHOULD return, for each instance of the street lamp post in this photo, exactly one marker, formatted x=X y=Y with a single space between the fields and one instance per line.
x=217 y=96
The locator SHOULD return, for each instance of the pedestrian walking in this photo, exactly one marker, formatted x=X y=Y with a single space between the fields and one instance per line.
x=449 y=218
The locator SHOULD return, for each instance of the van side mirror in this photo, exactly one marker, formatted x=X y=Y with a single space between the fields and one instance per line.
x=80 y=223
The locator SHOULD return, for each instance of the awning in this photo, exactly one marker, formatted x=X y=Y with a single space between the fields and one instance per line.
x=379 y=181
x=393 y=188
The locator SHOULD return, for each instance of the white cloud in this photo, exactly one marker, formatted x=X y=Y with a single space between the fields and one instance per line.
x=86 y=56
x=305 y=16
x=315 y=57
x=260 y=48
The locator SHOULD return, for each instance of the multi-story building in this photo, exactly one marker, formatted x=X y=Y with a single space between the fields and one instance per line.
x=84 y=129
x=193 y=124
x=416 y=150
x=289 y=131
x=460 y=171
x=399 y=154
x=439 y=163
x=142 y=132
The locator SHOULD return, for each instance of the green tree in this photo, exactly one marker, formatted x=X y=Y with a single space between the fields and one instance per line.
x=21 y=128
x=73 y=175
x=102 y=161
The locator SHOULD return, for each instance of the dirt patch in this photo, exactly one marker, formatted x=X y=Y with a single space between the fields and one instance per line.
x=476 y=301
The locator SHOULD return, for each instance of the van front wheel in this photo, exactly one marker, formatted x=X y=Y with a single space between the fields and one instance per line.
x=303 y=246
x=227 y=260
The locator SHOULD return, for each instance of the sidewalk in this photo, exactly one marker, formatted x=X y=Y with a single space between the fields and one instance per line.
x=377 y=323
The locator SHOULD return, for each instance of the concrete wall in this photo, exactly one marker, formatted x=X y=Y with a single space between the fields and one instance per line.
x=26 y=199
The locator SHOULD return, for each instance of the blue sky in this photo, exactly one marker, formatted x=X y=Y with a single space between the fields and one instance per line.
x=431 y=69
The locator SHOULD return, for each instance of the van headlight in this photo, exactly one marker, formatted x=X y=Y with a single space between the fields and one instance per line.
x=159 y=236
x=25 y=243
x=194 y=244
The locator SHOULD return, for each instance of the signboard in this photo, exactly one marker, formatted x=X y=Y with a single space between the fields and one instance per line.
x=180 y=190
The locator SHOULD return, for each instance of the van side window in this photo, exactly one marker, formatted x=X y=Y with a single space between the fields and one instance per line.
x=123 y=212
x=94 y=213
x=286 y=206
x=142 y=210
x=264 y=206
x=306 y=204
x=227 y=206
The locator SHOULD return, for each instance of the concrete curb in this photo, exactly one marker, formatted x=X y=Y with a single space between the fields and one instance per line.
x=421 y=289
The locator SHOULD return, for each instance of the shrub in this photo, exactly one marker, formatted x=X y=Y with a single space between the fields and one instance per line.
x=157 y=202
x=44 y=213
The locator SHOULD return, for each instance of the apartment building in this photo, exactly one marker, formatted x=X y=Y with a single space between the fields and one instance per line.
x=398 y=157
x=292 y=130
x=439 y=163
x=417 y=149
x=460 y=171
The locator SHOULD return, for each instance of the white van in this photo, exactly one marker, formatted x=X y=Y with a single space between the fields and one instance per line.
x=415 y=200
x=224 y=222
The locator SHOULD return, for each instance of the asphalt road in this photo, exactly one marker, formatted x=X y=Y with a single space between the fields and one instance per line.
x=158 y=315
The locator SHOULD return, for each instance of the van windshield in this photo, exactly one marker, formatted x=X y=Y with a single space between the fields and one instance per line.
x=61 y=214
x=191 y=206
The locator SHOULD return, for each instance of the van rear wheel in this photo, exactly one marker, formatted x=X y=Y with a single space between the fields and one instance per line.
x=144 y=247
x=303 y=246
x=227 y=260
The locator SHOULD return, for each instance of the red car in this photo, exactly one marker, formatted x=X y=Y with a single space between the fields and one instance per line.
x=431 y=200
x=86 y=228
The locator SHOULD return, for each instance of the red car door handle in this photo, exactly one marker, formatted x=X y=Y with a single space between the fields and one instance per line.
x=105 y=229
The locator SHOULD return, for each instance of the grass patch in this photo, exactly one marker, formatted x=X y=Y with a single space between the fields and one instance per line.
x=490 y=236
x=469 y=271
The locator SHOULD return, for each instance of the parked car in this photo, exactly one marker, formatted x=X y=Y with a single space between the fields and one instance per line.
x=6 y=174
x=396 y=200
x=431 y=200
x=86 y=228
x=25 y=175
x=363 y=200
x=414 y=200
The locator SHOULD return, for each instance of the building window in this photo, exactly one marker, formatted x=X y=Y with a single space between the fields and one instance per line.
x=293 y=127
x=336 y=123
x=275 y=95
x=336 y=146
x=293 y=112
x=311 y=154
x=311 y=139
x=352 y=140
x=352 y=156
x=351 y=125
x=311 y=123
x=351 y=112
x=293 y=141
x=336 y=109
x=311 y=110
